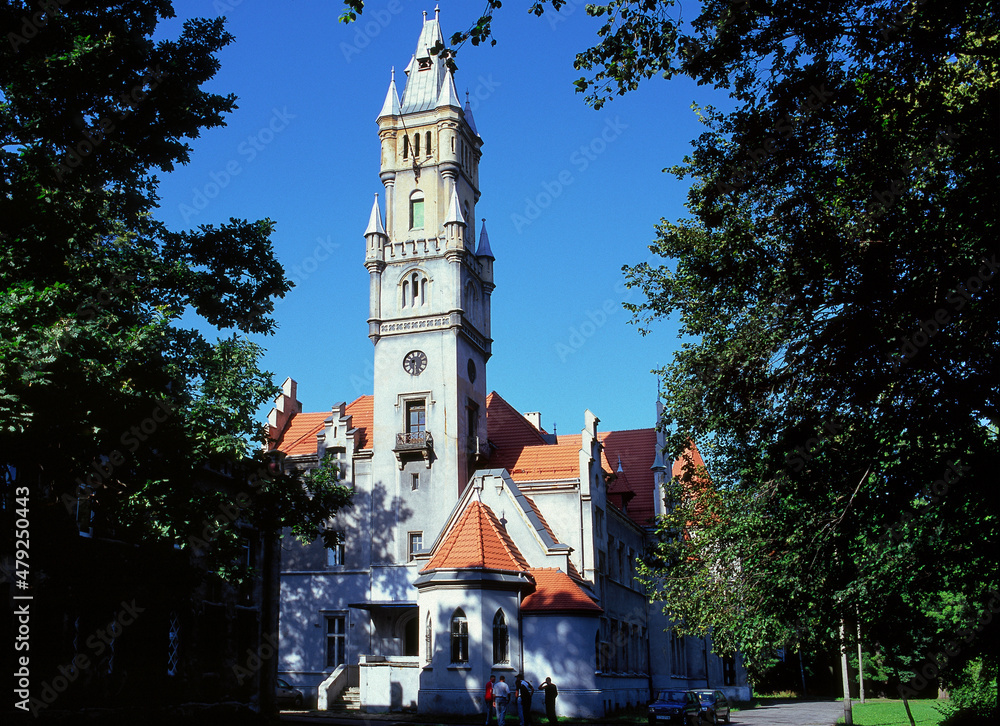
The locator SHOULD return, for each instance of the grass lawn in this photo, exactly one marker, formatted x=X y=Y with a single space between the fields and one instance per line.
x=885 y=712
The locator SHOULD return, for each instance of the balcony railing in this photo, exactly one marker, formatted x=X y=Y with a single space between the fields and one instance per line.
x=414 y=440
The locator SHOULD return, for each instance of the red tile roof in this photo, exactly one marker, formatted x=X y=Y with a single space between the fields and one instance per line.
x=299 y=436
x=554 y=590
x=477 y=541
x=506 y=428
x=363 y=411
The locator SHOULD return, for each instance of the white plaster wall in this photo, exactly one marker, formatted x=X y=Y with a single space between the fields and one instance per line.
x=561 y=647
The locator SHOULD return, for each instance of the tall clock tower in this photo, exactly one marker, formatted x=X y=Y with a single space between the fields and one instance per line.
x=429 y=305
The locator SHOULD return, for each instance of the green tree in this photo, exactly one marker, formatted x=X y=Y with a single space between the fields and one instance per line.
x=110 y=402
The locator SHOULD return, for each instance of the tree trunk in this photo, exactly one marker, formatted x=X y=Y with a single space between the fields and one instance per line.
x=861 y=669
x=848 y=713
x=270 y=591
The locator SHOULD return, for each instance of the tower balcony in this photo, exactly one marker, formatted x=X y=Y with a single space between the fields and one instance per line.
x=414 y=445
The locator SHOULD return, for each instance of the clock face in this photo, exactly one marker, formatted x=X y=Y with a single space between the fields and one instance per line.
x=415 y=362
x=472 y=371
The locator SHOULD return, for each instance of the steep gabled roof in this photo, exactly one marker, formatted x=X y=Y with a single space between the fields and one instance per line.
x=555 y=591
x=508 y=429
x=299 y=437
x=477 y=541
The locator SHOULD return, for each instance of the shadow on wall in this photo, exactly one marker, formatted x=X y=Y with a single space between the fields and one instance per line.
x=387 y=516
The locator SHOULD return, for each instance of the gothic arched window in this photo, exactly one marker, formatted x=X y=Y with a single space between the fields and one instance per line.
x=416 y=145
x=406 y=147
x=427 y=137
x=459 y=637
x=501 y=650
x=414 y=290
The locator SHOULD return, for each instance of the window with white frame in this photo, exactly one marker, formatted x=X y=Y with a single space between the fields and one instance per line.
x=336 y=640
x=335 y=555
x=414 y=545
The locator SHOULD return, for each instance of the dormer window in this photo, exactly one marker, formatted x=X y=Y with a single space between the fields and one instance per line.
x=423 y=64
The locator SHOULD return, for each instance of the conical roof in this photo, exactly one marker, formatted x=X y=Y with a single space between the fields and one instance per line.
x=390 y=107
x=375 y=220
x=484 y=244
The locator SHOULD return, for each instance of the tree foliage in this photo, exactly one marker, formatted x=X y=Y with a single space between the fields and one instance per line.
x=110 y=399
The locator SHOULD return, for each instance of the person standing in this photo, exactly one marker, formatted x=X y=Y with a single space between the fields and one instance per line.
x=550 y=690
x=490 y=708
x=500 y=693
x=524 y=690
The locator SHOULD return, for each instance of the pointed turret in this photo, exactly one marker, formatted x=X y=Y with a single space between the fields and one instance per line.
x=449 y=95
x=468 y=115
x=484 y=250
x=375 y=220
x=375 y=236
x=391 y=105
x=454 y=222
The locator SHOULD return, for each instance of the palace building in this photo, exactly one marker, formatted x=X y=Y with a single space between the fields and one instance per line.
x=477 y=542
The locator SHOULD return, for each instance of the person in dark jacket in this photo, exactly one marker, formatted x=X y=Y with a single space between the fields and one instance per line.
x=550 y=690
x=523 y=690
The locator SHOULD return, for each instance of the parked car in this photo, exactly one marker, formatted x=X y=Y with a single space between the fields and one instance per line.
x=675 y=706
x=714 y=706
x=285 y=696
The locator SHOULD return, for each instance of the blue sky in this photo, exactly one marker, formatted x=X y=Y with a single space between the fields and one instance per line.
x=570 y=194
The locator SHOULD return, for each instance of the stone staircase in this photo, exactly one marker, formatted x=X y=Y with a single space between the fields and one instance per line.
x=348 y=700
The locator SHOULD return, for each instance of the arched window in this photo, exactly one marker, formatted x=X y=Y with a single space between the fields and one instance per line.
x=411 y=637
x=417 y=210
x=416 y=145
x=414 y=290
x=427 y=138
x=417 y=297
x=459 y=638
x=428 y=639
x=406 y=147
x=501 y=651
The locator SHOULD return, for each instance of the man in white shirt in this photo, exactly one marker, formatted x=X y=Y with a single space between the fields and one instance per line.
x=501 y=691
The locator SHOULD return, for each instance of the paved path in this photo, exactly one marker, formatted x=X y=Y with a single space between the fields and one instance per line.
x=785 y=713
x=800 y=713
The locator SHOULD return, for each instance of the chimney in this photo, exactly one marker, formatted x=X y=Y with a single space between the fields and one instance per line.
x=534 y=418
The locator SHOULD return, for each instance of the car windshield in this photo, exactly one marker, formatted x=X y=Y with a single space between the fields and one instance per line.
x=707 y=697
x=675 y=696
